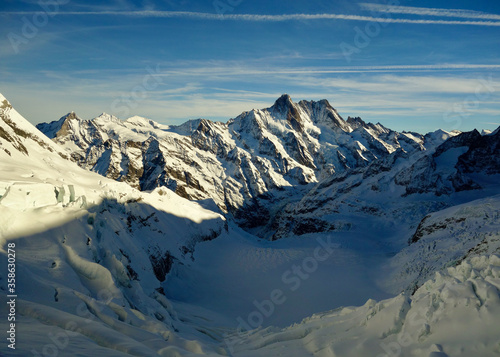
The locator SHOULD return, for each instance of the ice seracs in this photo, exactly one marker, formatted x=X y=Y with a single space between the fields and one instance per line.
x=429 y=323
x=95 y=252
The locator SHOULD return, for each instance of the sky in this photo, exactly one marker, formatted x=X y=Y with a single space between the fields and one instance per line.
x=410 y=65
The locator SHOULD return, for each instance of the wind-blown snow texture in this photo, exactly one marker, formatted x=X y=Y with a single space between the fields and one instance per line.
x=104 y=269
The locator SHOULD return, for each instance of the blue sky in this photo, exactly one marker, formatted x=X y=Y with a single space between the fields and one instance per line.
x=411 y=65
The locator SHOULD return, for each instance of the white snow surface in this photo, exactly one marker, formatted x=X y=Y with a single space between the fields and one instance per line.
x=453 y=314
x=103 y=269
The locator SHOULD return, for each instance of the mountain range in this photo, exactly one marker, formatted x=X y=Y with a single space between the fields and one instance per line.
x=139 y=238
x=275 y=169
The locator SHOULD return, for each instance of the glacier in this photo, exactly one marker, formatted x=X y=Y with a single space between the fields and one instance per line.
x=372 y=242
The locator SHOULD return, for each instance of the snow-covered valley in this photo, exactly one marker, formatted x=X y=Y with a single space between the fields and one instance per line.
x=287 y=231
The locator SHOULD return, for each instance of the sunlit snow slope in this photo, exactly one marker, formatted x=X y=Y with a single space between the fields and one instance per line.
x=92 y=253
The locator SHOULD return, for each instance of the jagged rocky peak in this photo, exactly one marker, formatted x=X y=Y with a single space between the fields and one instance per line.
x=204 y=126
x=322 y=113
x=283 y=104
x=285 y=108
x=461 y=140
x=59 y=128
x=483 y=155
x=302 y=116
x=299 y=115
x=72 y=115
x=325 y=103
x=72 y=124
x=356 y=122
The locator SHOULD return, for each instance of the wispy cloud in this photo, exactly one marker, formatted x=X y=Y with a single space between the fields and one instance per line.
x=259 y=18
x=394 y=84
x=425 y=11
x=221 y=70
x=389 y=98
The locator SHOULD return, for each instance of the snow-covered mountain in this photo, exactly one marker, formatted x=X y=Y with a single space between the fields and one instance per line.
x=401 y=187
x=248 y=165
x=279 y=170
x=90 y=250
x=110 y=268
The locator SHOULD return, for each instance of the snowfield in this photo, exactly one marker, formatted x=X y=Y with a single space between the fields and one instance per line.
x=453 y=314
x=103 y=269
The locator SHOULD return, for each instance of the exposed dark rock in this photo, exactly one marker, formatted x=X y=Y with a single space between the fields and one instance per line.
x=162 y=264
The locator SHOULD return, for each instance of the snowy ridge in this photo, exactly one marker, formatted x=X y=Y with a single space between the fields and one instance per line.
x=15 y=131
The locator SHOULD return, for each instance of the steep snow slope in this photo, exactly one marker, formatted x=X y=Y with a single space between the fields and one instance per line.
x=92 y=253
x=247 y=165
x=15 y=130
